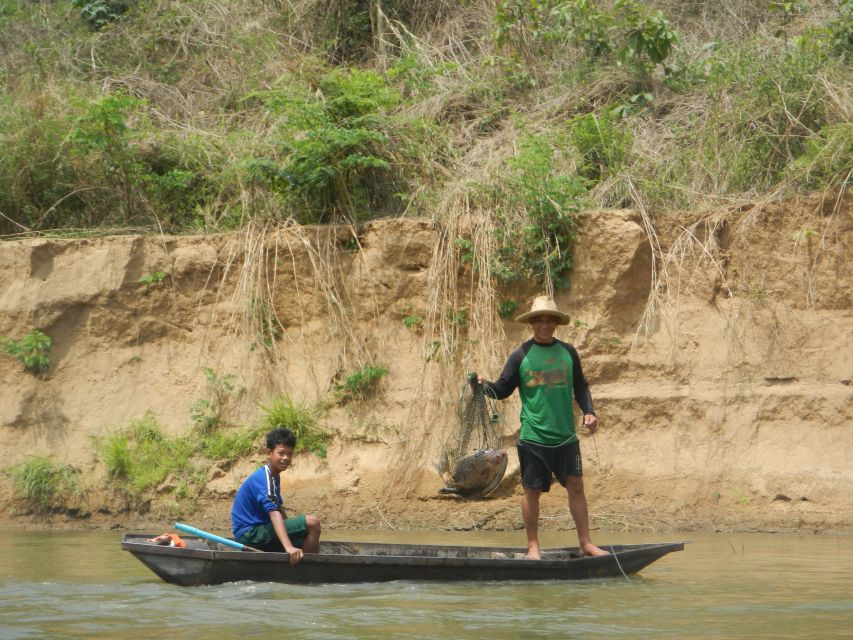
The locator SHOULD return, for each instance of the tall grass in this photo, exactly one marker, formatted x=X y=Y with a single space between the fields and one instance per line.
x=284 y=412
x=44 y=485
x=140 y=457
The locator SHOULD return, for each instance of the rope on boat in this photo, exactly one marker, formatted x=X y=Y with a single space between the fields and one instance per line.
x=619 y=564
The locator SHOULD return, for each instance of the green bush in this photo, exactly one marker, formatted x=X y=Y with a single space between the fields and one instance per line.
x=283 y=412
x=33 y=350
x=635 y=34
x=536 y=204
x=360 y=385
x=601 y=144
x=208 y=413
x=43 y=485
x=99 y=13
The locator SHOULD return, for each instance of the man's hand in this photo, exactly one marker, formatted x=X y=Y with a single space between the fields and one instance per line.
x=590 y=422
x=295 y=554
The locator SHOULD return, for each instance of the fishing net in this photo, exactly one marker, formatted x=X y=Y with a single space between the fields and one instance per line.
x=476 y=431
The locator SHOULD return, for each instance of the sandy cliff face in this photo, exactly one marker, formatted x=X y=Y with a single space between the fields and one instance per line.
x=718 y=347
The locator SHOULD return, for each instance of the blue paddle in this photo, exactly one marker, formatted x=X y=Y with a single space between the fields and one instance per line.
x=213 y=537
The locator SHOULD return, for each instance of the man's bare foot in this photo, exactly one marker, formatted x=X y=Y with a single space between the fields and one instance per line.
x=533 y=553
x=590 y=549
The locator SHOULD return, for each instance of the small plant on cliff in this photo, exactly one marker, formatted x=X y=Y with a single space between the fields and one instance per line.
x=32 y=350
x=283 y=412
x=360 y=385
x=152 y=280
x=207 y=413
x=43 y=485
x=414 y=323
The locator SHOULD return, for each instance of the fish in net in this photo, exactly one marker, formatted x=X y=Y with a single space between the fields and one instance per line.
x=472 y=462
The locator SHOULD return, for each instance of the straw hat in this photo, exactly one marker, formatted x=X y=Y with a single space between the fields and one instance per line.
x=544 y=306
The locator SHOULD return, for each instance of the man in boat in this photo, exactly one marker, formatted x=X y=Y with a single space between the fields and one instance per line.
x=548 y=375
x=258 y=518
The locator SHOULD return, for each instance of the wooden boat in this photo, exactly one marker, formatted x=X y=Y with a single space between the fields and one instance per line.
x=204 y=563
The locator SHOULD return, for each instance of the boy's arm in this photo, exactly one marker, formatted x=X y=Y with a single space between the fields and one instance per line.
x=277 y=522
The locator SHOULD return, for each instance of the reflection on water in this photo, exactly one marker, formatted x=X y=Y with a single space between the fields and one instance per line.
x=81 y=585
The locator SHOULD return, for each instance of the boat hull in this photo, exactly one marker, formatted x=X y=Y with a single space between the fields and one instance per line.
x=203 y=563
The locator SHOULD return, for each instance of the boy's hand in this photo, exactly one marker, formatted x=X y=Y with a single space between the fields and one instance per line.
x=295 y=554
x=590 y=422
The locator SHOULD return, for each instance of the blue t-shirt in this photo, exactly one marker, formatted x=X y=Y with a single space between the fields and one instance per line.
x=257 y=496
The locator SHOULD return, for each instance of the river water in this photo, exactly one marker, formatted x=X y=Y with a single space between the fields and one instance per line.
x=81 y=585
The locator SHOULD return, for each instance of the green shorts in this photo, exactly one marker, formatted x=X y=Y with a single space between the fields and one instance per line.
x=263 y=536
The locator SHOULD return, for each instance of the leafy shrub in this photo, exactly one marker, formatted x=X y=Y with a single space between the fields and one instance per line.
x=360 y=385
x=302 y=421
x=537 y=206
x=636 y=35
x=151 y=280
x=207 y=413
x=414 y=323
x=44 y=485
x=602 y=145
x=33 y=351
x=103 y=141
x=337 y=144
x=506 y=308
x=99 y=13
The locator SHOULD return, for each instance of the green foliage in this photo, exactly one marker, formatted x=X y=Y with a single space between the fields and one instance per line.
x=466 y=250
x=751 y=136
x=104 y=140
x=266 y=322
x=361 y=384
x=506 y=308
x=841 y=30
x=43 y=485
x=230 y=445
x=283 y=412
x=151 y=280
x=185 y=118
x=826 y=157
x=458 y=317
x=99 y=13
x=140 y=457
x=630 y=31
x=413 y=323
x=601 y=144
x=649 y=37
x=339 y=146
x=546 y=200
x=207 y=413
x=33 y=351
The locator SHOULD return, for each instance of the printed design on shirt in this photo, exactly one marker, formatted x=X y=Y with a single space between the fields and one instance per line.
x=550 y=378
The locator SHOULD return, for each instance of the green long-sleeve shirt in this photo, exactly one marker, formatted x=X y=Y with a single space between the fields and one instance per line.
x=548 y=378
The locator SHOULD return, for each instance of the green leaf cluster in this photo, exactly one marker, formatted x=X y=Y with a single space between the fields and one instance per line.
x=99 y=13
x=33 y=350
x=536 y=203
x=360 y=384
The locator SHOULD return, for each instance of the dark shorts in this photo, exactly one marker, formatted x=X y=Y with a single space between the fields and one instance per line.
x=539 y=463
x=263 y=536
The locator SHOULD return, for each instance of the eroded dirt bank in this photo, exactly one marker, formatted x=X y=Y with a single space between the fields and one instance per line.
x=718 y=348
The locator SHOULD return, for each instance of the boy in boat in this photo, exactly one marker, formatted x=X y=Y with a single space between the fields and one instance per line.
x=258 y=518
